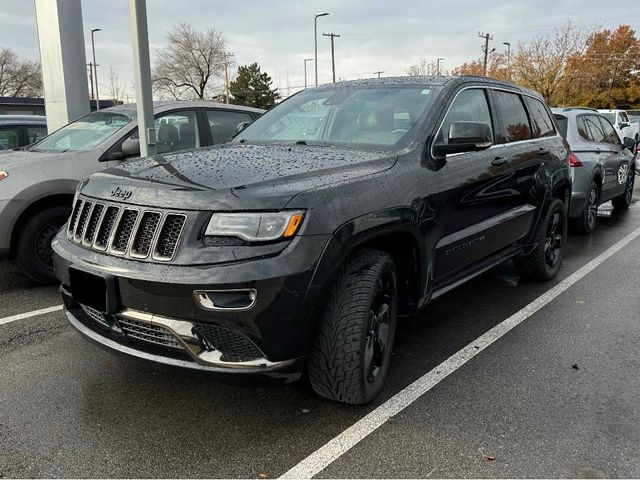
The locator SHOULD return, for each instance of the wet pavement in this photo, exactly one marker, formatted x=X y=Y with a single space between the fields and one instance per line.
x=555 y=397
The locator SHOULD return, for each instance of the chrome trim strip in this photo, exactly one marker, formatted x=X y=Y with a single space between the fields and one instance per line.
x=207 y=364
x=204 y=302
x=71 y=230
x=86 y=227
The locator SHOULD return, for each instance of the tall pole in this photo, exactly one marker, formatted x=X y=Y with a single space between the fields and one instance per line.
x=487 y=37
x=305 y=71
x=438 y=66
x=378 y=73
x=227 y=57
x=315 y=38
x=333 y=56
x=142 y=75
x=95 y=66
x=508 y=59
x=91 y=78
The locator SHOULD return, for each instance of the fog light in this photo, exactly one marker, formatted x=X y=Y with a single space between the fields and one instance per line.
x=237 y=299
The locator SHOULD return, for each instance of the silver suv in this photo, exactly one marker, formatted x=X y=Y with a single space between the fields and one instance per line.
x=37 y=183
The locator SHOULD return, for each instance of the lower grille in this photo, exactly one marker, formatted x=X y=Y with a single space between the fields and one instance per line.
x=95 y=315
x=148 y=333
x=235 y=346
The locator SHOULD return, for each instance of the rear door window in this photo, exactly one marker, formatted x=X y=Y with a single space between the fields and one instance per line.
x=513 y=117
x=595 y=129
x=562 y=122
x=224 y=124
x=609 y=132
x=540 y=117
x=177 y=131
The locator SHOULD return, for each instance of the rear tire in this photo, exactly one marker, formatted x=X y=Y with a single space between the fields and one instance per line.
x=33 y=247
x=350 y=356
x=551 y=235
x=623 y=201
x=588 y=219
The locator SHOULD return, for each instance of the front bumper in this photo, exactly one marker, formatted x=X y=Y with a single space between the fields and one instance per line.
x=161 y=297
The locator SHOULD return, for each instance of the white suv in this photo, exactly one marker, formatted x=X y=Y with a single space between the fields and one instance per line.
x=622 y=124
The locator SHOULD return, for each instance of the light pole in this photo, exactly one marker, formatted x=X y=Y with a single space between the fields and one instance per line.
x=333 y=56
x=305 y=71
x=95 y=66
x=508 y=59
x=438 y=66
x=315 y=37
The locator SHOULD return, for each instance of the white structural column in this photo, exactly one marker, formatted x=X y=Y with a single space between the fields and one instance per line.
x=64 y=71
x=142 y=71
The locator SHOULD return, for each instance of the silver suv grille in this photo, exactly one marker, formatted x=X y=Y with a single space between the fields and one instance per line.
x=126 y=231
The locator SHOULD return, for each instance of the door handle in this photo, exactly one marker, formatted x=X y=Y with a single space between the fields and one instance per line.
x=499 y=161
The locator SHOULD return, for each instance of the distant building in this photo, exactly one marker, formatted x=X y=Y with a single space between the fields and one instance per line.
x=35 y=106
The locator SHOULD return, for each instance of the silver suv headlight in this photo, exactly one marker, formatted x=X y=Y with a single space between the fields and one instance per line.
x=255 y=226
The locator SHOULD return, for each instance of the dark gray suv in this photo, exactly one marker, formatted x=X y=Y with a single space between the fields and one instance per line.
x=602 y=165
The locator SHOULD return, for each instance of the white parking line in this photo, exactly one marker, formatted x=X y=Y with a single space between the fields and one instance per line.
x=22 y=316
x=338 y=446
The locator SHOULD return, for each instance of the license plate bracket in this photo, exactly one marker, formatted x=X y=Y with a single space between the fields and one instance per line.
x=93 y=290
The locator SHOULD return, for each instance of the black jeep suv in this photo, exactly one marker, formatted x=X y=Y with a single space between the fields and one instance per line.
x=299 y=243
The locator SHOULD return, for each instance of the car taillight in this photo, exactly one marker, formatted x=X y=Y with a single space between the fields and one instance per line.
x=3 y=175
x=574 y=161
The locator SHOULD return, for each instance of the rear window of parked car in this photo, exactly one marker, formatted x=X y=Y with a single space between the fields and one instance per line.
x=514 y=117
x=562 y=121
x=540 y=117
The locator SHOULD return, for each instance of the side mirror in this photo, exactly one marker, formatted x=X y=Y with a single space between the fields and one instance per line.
x=629 y=143
x=242 y=125
x=466 y=137
x=624 y=124
x=131 y=148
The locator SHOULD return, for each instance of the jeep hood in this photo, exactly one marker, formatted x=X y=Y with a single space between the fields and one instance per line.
x=233 y=175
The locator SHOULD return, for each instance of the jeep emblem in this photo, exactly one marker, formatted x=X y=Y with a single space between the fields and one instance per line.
x=121 y=193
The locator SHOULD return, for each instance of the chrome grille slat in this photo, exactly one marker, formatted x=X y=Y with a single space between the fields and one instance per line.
x=125 y=231
x=95 y=315
x=148 y=333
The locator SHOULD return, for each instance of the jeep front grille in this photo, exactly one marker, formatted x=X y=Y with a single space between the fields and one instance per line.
x=126 y=231
x=148 y=333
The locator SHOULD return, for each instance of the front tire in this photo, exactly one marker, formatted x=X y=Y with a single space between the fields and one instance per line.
x=34 y=254
x=551 y=235
x=623 y=201
x=350 y=356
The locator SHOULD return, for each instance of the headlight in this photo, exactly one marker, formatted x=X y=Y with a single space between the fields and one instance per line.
x=255 y=226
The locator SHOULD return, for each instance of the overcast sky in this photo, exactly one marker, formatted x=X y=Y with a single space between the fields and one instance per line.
x=278 y=34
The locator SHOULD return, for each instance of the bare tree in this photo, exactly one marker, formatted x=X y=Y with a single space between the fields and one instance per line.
x=423 y=67
x=189 y=65
x=19 y=77
x=117 y=89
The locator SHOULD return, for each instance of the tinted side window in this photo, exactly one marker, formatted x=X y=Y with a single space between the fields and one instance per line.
x=35 y=134
x=582 y=128
x=562 y=122
x=595 y=129
x=469 y=106
x=609 y=132
x=540 y=117
x=8 y=138
x=223 y=124
x=513 y=117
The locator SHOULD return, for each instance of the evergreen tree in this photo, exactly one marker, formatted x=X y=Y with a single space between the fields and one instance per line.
x=252 y=88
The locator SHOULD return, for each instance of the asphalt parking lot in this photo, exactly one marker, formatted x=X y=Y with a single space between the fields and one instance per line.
x=557 y=396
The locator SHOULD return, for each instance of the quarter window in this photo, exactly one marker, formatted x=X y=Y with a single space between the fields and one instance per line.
x=513 y=116
x=224 y=124
x=582 y=128
x=595 y=129
x=540 y=117
x=469 y=106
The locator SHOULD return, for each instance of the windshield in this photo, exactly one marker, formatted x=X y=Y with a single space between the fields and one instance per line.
x=87 y=132
x=385 y=117
x=609 y=116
